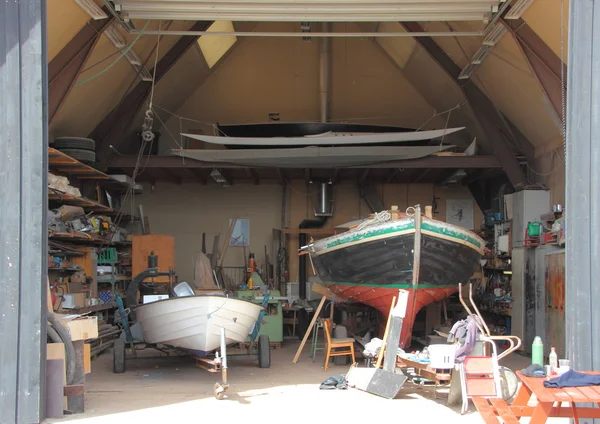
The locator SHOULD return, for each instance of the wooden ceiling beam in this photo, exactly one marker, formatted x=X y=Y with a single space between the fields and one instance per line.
x=489 y=118
x=439 y=162
x=64 y=69
x=117 y=123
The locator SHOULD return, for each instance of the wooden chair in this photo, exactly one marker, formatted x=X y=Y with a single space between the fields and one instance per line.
x=346 y=344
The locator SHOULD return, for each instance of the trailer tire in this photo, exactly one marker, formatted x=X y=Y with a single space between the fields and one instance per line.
x=264 y=351
x=80 y=155
x=119 y=356
x=74 y=143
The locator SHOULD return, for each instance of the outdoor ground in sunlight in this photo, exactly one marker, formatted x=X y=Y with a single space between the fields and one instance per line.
x=174 y=390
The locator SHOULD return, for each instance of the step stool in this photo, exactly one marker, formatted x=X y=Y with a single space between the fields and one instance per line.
x=480 y=377
x=315 y=341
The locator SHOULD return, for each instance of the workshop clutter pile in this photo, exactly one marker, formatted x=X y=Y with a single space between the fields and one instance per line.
x=73 y=219
x=62 y=184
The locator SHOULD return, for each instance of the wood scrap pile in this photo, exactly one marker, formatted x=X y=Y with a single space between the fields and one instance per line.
x=107 y=334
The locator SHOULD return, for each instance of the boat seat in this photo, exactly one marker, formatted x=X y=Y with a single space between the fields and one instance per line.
x=183 y=289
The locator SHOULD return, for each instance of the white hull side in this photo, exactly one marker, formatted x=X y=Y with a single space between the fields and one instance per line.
x=195 y=322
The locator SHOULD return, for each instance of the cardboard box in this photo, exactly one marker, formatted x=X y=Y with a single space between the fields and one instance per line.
x=87 y=358
x=80 y=327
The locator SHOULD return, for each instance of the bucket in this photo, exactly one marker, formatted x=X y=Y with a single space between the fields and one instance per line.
x=441 y=356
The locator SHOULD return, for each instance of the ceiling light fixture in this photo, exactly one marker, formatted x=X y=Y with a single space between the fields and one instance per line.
x=113 y=35
x=119 y=42
x=467 y=71
x=481 y=54
x=518 y=9
x=494 y=35
x=92 y=9
x=217 y=176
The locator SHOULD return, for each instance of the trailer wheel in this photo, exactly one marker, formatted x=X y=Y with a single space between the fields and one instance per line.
x=509 y=383
x=119 y=356
x=264 y=351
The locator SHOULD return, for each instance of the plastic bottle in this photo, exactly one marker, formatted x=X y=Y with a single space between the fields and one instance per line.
x=537 y=351
x=553 y=359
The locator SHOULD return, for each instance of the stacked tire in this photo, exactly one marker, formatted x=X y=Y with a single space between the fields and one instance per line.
x=82 y=149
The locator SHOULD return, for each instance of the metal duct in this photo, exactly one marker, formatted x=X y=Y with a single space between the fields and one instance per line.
x=325 y=72
x=324 y=203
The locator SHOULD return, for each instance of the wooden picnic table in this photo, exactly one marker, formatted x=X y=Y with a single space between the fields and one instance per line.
x=548 y=397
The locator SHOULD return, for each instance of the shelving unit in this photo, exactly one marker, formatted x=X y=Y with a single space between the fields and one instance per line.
x=80 y=249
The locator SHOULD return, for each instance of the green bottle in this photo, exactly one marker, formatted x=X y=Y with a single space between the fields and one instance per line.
x=537 y=351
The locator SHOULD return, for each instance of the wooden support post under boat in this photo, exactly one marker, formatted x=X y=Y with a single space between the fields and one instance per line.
x=309 y=329
x=416 y=259
x=385 y=335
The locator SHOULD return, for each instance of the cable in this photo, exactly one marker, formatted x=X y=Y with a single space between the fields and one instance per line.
x=115 y=61
x=155 y=63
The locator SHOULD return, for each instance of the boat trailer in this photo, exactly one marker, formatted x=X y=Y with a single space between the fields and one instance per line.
x=260 y=351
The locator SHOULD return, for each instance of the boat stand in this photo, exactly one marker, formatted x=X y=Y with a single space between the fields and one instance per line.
x=221 y=388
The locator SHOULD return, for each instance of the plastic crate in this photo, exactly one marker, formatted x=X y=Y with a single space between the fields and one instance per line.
x=107 y=256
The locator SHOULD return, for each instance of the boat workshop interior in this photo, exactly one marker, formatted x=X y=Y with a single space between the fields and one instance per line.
x=218 y=210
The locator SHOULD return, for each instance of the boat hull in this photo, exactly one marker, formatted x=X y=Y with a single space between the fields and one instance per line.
x=194 y=323
x=370 y=265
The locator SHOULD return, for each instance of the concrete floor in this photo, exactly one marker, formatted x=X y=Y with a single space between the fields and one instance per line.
x=163 y=390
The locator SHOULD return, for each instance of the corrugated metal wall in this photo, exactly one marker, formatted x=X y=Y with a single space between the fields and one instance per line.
x=23 y=205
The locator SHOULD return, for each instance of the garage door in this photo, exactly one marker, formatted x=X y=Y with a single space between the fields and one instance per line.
x=310 y=10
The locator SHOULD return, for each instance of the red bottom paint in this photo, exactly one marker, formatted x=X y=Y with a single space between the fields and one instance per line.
x=381 y=299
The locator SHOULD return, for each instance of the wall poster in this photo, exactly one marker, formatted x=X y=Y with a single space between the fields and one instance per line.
x=460 y=212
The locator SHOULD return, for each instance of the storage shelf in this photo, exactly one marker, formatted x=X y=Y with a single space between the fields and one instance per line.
x=88 y=205
x=76 y=237
x=64 y=164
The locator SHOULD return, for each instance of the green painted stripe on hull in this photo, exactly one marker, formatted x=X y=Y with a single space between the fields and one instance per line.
x=451 y=233
x=394 y=286
x=352 y=237
x=403 y=226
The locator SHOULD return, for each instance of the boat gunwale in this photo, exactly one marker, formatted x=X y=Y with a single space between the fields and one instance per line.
x=198 y=295
x=398 y=227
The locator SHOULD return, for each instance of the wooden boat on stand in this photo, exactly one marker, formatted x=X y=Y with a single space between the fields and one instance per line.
x=389 y=251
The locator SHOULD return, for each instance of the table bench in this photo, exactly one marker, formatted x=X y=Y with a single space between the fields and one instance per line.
x=494 y=409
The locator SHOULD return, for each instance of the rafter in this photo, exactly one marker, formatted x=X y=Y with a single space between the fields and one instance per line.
x=486 y=114
x=363 y=176
x=117 y=123
x=544 y=63
x=66 y=66
x=253 y=175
